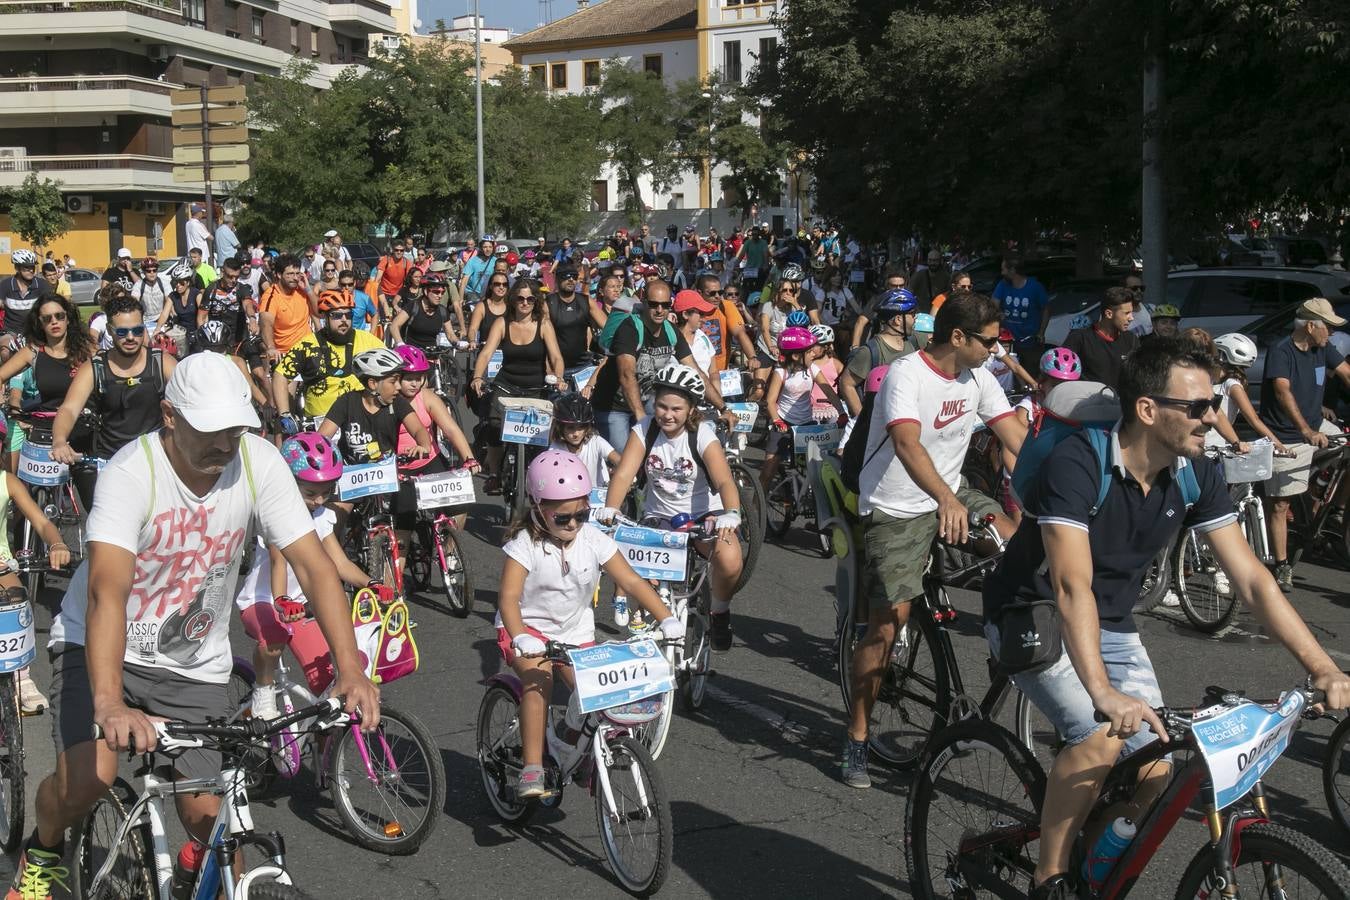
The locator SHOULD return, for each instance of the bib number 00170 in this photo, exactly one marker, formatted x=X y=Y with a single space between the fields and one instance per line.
x=369 y=478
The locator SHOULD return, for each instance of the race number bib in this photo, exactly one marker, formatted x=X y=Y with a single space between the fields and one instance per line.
x=597 y=497
x=494 y=364
x=824 y=436
x=582 y=377
x=1242 y=742
x=654 y=554
x=18 y=643
x=729 y=383
x=36 y=466
x=746 y=414
x=444 y=489
x=614 y=674
x=367 y=479
x=526 y=426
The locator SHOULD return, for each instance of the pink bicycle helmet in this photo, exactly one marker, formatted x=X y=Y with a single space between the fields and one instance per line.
x=557 y=475
x=311 y=457
x=414 y=360
x=1061 y=363
x=794 y=339
x=875 y=377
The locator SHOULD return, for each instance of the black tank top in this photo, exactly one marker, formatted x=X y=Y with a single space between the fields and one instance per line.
x=422 y=327
x=128 y=408
x=571 y=320
x=523 y=364
x=489 y=319
x=53 y=377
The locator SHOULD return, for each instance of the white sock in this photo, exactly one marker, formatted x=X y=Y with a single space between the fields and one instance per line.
x=720 y=606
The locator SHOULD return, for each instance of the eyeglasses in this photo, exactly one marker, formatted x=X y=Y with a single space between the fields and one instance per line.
x=1194 y=409
x=987 y=342
x=347 y=284
x=732 y=295
x=651 y=305
x=567 y=276
x=180 y=281
x=581 y=517
x=435 y=290
x=49 y=318
x=499 y=284
x=524 y=298
x=133 y=331
x=340 y=314
x=715 y=293
x=149 y=268
x=398 y=249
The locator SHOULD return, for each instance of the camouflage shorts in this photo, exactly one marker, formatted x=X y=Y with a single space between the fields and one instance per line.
x=897 y=551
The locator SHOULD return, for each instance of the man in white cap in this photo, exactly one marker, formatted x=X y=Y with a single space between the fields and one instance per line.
x=198 y=231
x=333 y=242
x=144 y=626
x=121 y=271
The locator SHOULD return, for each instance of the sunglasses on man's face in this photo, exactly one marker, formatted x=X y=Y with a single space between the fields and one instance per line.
x=1194 y=409
x=988 y=342
x=134 y=331
x=347 y=284
x=340 y=314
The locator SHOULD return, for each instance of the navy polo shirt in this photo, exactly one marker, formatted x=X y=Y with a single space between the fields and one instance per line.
x=1125 y=535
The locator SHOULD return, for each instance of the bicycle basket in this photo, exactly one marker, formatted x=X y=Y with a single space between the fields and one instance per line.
x=637 y=712
x=1256 y=465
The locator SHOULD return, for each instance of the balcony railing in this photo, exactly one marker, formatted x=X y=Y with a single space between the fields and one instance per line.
x=40 y=83
x=170 y=10
x=84 y=163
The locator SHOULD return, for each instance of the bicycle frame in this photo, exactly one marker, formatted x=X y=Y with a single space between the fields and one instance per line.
x=1312 y=511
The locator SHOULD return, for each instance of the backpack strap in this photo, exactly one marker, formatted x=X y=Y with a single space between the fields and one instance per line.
x=1101 y=446
x=653 y=429
x=144 y=441
x=1189 y=484
x=248 y=469
x=670 y=332
x=156 y=363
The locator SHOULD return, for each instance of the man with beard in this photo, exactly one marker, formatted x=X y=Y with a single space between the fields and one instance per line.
x=322 y=360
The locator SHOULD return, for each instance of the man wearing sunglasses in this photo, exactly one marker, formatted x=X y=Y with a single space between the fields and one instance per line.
x=725 y=323
x=322 y=361
x=1107 y=343
x=1088 y=557
x=152 y=290
x=573 y=316
x=121 y=385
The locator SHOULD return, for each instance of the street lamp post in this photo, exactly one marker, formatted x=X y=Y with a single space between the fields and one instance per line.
x=708 y=162
x=478 y=114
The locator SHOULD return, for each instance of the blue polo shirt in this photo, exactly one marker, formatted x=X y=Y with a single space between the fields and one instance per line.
x=1022 y=307
x=1125 y=535
x=476 y=272
x=365 y=312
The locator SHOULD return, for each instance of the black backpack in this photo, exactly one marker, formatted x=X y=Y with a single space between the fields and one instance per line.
x=153 y=373
x=853 y=457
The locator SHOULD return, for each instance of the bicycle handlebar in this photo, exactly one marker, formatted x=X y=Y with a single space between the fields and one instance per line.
x=178 y=735
x=1179 y=721
x=700 y=532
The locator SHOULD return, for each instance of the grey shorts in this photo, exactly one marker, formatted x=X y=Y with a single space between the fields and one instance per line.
x=157 y=692
x=1289 y=475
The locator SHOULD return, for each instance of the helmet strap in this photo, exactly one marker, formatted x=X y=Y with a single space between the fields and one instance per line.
x=538 y=517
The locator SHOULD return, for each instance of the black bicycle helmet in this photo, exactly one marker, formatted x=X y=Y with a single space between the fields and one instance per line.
x=573 y=409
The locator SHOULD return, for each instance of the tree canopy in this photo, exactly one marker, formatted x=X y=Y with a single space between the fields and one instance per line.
x=36 y=210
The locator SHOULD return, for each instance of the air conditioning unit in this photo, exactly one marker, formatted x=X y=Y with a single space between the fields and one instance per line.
x=13 y=159
x=157 y=52
x=79 y=203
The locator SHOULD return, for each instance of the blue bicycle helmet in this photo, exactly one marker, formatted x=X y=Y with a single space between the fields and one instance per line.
x=798 y=319
x=897 y=301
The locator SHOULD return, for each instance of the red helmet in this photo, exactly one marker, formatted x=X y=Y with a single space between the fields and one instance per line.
x=512 y=258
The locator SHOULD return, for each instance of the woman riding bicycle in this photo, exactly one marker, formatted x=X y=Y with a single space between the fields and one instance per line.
x=423 y=320
x=529 y=354
x=435 y=417
x=553 y=563
x=686 y=473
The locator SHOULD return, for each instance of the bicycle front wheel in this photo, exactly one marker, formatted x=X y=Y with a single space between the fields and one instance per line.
x=752 y=520
x=1157 y=580
x=275 y=890
x=780 y=507
x=454 y=568
x=1336 y=776
x=1035 y=732
x=1273 y=861
x=380 y=559
x=972 y=823
x=131 y=872
x=1206 y=597
x=393 y=807
x=693 y=679
x=636 y=832
x=11 y=763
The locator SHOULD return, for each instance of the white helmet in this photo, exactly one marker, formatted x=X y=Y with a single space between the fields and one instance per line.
x=377 y=363
x=680 y=378
x=824 y=334
x=180 y=271
x=1236 y=349
x=23 y=258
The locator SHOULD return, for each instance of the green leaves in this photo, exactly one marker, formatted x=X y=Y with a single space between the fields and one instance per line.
x=36 y=210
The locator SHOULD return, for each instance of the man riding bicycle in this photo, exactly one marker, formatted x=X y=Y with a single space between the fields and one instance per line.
x=322 y=361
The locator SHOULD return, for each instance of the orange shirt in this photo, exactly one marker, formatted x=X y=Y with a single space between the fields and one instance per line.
x=937 y=303
x=393 y=273
x=719 y=326
x=291 y=312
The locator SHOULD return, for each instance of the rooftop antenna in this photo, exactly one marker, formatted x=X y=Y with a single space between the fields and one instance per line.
x=545 y=11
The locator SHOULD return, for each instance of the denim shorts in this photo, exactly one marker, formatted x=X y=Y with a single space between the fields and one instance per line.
x=1062 y=699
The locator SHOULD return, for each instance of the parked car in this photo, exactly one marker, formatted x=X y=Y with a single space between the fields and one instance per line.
x=1302 y=250
x=1242 y=250
x=83 y=286
x=1227 y=299
x=364 y=253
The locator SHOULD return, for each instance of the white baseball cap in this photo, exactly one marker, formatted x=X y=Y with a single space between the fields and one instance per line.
x=332 y=232
x=124 y=253
x=210 y=392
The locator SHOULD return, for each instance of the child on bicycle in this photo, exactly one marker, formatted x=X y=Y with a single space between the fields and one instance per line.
x=574 y=431
x=553 y=562
x=271 y=604
x=789 y=396
x=436 y=419
x=1235 y=353
x=687 y=473
x=822 y=355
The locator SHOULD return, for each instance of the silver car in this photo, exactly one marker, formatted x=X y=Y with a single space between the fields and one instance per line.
x=83 y=286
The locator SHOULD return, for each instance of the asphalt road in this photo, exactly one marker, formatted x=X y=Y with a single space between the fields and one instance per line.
x=758 y=807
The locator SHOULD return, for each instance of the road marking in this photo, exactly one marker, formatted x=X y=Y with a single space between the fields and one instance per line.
x=776 y=721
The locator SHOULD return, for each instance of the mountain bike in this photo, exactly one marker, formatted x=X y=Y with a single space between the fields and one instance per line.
x=122 y=846
x=972 y=822
x=434 y=542
x=791 y=495
x=632 y=805
x=1314 y=528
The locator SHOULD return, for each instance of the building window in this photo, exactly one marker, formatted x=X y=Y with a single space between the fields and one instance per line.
x=295 y=36
x=768 y=49
x=590 y=73
x=257 y=26
x=652 y=63
x=358 y=47
x=539 y=76
x=559 y=73
x=342 y=50
x=195 y=12
x=731 y=62
x=313 y=41
x=600 y=196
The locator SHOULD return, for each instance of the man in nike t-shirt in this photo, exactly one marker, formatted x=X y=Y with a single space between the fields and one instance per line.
x=911 y=486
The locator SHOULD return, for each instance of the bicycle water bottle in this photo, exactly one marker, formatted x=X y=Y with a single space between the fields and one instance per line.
x=683 y=522
x=1107 y=850
x=185 y=870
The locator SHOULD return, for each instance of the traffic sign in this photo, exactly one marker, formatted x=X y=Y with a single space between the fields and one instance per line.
x=233 y=172
x=185 y=136
x=233 y=93
x=224 y=153
x=216 y=115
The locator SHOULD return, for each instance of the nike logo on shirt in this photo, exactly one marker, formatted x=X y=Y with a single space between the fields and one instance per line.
x=951 y=411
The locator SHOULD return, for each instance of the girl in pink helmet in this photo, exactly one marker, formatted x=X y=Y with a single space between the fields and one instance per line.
x=270 y=602
x=789 y=395
x=553 y=562
x=445 y=433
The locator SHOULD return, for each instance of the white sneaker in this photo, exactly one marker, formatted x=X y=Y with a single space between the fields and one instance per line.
x=1221 y=585
x=265 y=701
x=620 y=610
x=1171 y=599
x=31 y=700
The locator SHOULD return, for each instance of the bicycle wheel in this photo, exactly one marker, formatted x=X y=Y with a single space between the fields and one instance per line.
x=653 y=734
x=397 y=810
x=780 y=508
x=33 y=548
x=693 y=681
x=1035 y=732
x=637 y=833
x=972 y=822
x=417 y=558
x=1306 y=869
x=751 y=493
x=751 y=532
x=453 y=566
x=1157 y=580
x=499 y=754
x=380 y=559
x=275 y=890
x=11 y=764
x=1206 y=597
x=914 y=696
x=1336 y=776
x=132 y=872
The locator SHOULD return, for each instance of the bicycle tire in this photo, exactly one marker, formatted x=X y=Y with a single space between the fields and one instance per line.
x=894 y=735
x=133 y=876
x=11 y=764
x=1196 y=573
x=693 y=682
x=654 y=734
x=1157 y=579
x=952 y=764
x=33 y=547
x=628 y=755
x=380 y=559
x=394 y=792
x=1336 y=777
x=1301 y=859
x=275 y=890
x=1035 y=732
x=499 y=751
x=507 y=478
x=751 y=492
x=752 y=527
x=456 y=584
x=780 y=511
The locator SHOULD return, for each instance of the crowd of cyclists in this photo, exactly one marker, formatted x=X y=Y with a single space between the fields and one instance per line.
x=225 y=402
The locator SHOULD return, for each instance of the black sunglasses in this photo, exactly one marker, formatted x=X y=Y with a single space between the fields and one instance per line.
x=651 y=305
x=1194 y=409
x=988 y=342
x=133 y=331
x=581 y=517
x=339 y=314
